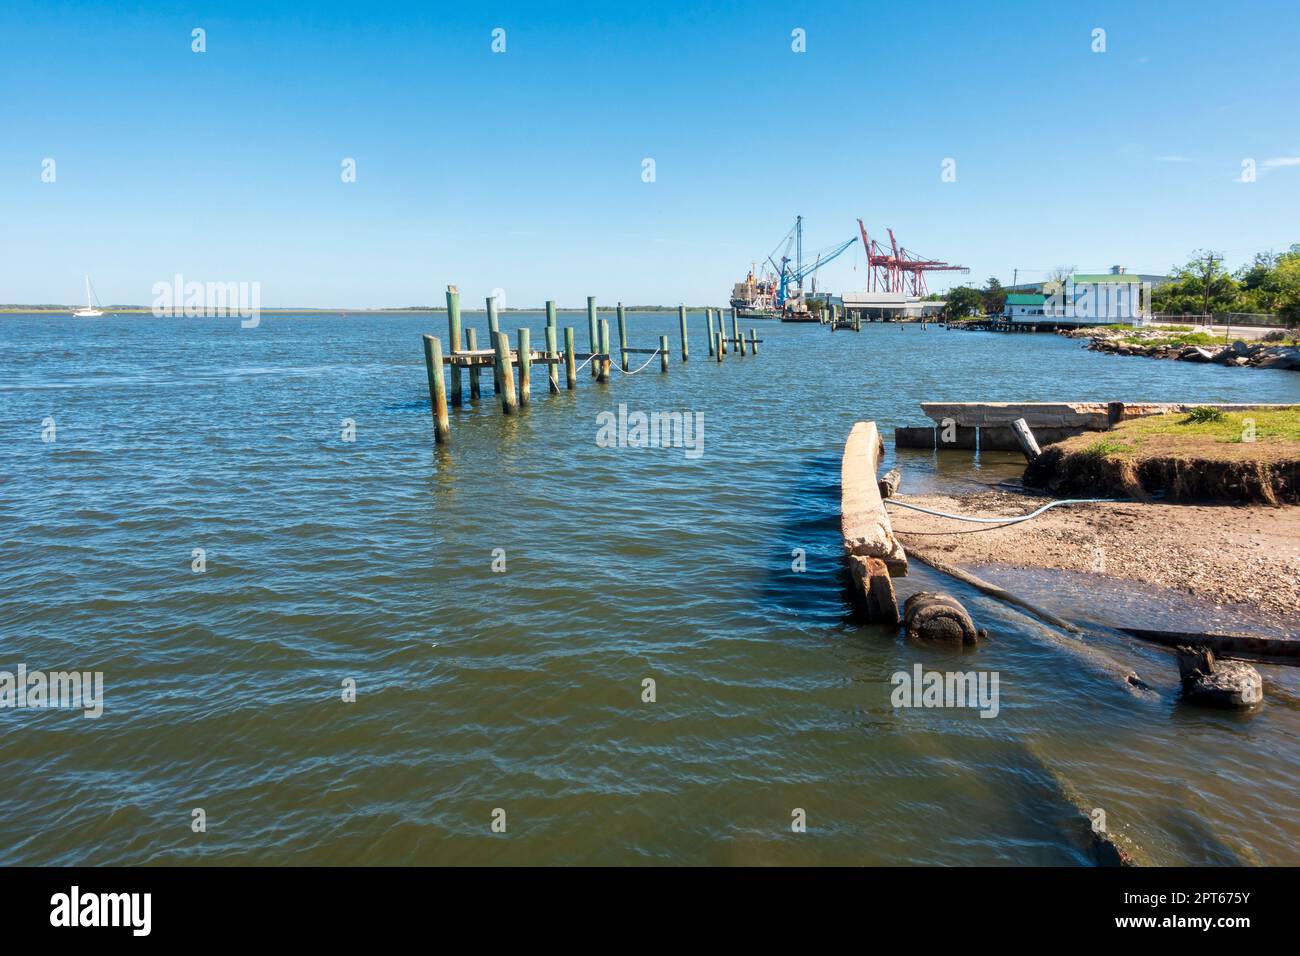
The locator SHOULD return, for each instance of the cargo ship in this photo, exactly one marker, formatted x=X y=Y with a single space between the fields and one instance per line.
x=755 y=298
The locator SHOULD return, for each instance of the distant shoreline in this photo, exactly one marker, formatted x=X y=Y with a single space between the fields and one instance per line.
x=141 y=310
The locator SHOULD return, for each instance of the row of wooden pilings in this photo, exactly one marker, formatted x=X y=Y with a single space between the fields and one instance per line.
x=464 y=353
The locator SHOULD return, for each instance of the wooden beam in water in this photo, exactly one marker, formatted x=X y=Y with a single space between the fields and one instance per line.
x=593 y=332
x=1249 y=647
x=603 y=363
x=622 y=337
x=471 y=342
x=453 y=341
x=552 y=360
x=437 y=389
x=525 y=366
x=506 y=374
x=494 y=326
x=570 y=363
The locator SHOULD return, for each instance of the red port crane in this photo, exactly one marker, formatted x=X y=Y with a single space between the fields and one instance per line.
x=896 y=269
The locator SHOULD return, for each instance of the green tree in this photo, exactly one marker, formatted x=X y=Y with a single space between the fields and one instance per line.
x=1201 y=285
x=963 y=301
x=1286 y=280
x=994 y=296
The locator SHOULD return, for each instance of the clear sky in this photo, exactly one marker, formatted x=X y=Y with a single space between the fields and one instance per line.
x=523 y=170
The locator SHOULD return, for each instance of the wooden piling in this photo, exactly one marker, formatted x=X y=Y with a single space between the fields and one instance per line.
x=437 y=389
x=453 y=341
x=570 y=362
x=735 y=332
x=603 y=363
x=708 y=318
x=740 y=340
x=494 y=326
x=553 y=360
x=719 y=349
x=505 y=373
x=593 y=334
x=663 y=353
x=1026 y=439
x=681 y=322
x=552 y=351
x=622 y=338
x=525 y=367
x=471 y=343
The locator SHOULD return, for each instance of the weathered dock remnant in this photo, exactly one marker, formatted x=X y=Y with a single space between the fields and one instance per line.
x=437 y=389
x=990 y=426
x=1218 y=683
x=1246 y=647
x=934 y=616
x=873 y=553
x=889 y=483
x=506 y=362
x=1025 y=438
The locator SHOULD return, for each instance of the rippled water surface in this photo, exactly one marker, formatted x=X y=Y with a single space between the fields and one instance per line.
x=371 y=560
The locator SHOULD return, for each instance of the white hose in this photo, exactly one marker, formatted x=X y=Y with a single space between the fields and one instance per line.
x=1011 y=519
x=643 y=364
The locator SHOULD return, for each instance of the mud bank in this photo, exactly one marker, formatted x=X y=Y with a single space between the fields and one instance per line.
x=1243 y=559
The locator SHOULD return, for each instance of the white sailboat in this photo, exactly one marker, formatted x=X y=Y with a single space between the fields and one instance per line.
x=89 y=312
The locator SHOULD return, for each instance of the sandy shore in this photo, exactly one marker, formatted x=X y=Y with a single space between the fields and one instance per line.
x=1242 y=555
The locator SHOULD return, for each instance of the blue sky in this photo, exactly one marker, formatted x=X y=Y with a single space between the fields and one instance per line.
x=523 y=170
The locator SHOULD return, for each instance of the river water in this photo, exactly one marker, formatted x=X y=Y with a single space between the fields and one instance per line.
x=330 y=561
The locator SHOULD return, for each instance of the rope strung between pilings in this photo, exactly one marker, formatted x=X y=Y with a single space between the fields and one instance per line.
x=584 y=364
x=1010 y=519
x=643 y=364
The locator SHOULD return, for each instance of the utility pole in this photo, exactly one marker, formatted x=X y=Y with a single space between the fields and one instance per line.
x=1210 y=260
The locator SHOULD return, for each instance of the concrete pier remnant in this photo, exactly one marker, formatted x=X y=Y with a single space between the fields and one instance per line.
x=864 y=523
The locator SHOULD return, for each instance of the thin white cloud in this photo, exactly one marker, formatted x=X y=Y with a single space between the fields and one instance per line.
x=1277 y=161
x=1173 y=159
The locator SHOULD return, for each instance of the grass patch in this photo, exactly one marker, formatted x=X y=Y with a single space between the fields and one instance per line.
x=1104 y=448
x=1205 y=432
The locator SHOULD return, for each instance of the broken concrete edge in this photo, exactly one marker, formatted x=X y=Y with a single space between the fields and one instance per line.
x=1084 y=416
x=864 y=522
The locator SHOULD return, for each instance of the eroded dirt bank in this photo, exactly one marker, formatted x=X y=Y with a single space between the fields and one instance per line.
x=1231 y=555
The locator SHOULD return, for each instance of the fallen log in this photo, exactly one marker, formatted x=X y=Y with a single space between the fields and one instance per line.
x=933 y=616
x=1243 y=647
